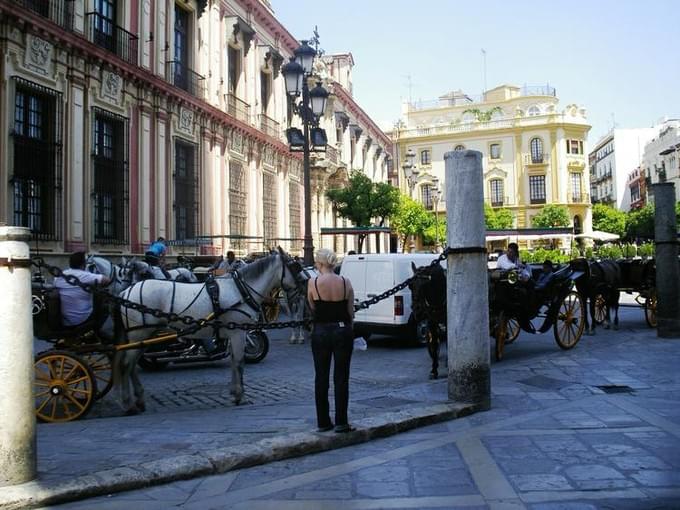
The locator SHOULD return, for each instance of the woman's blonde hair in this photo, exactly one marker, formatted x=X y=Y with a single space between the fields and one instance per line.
x=326 y=256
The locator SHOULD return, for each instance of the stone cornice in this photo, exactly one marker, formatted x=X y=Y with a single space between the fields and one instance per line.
x=356 y=110
x=266 y=18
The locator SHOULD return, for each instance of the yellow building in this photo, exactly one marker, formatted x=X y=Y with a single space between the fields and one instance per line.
x=533 y=153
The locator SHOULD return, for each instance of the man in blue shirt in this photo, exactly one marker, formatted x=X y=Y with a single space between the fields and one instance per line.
x=155 y=257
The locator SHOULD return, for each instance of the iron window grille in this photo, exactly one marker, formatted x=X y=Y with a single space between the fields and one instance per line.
x=536 y=150
x=185 y=180
x=58 y=11
x=496 y=192
x=425 y=157
x=269 y=204
x=110 y=178
x=294 y=214
x=426 y=196
x=238 y=202
x=537 y=189
x=575 y=187
x=36 y=179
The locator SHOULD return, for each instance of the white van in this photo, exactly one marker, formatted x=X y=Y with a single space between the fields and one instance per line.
x=373 y=274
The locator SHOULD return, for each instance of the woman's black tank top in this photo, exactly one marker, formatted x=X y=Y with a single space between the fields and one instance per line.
x=331 y=311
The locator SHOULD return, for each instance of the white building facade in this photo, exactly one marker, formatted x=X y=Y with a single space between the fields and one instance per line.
x=661 y=160
x=613 y=158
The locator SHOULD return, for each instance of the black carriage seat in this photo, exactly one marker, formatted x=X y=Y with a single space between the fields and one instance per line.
x=48 y=324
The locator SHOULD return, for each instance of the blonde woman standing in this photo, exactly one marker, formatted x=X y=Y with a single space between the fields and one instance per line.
x=331 y=298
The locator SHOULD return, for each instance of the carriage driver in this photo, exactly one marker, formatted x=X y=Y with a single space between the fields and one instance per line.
x=76 y=303
x=510 y=260
x=155 y=257
x=228 y=265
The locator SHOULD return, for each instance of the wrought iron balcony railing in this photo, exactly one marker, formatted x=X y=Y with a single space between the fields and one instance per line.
x=104 y=33
x=269 y=126
x=58 y=11
x=238 y=108
x=186 y=79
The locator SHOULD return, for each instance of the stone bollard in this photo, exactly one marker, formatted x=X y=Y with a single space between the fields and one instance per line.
x=17 y=413
x=667 y=266
x=467 y=281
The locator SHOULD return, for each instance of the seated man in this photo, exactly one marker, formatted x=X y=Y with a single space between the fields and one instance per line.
x=546 y=276
x=510 y=260
x=228 y=265
x=76 y=303
x=155 y=257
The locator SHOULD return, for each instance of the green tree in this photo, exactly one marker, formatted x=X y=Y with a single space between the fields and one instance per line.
x=551 y=216
x=640 y=223
x=430 y=236
x=608 y=219
x=497 y=219
x=483 y=115
x=362 y=200
x=411 y=219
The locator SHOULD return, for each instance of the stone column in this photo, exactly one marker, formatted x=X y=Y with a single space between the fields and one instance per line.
x=667 y=266
x=467 y=281
x=17 y=419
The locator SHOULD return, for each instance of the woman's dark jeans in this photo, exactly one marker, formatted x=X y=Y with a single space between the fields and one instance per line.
x=329 y=340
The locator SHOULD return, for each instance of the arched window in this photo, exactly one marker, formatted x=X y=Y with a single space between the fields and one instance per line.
x=533 y=111
x=536 y=150
x=496 y=188
x=459 y=148
x=577 y=225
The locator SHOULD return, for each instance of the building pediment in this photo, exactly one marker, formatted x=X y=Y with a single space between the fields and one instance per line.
x=496 y=173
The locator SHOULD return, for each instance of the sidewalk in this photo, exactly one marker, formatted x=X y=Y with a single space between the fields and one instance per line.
x=623 y=382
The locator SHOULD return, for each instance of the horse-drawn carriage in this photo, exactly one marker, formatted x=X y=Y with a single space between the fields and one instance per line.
x=514 y=304
x=77 y=370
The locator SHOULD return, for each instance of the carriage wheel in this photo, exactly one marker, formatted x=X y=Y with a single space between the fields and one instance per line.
x=512 y=331
x=501 y=335
x=257 y=346
x=650 y=309
x=569 y=323
x=65 y=387
x=600 y=309
x=100 y=363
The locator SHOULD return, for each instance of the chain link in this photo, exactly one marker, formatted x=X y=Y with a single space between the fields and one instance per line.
x=197 y=324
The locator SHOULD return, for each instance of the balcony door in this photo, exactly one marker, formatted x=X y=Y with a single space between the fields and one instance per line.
x=181 y=48
x=105 y=24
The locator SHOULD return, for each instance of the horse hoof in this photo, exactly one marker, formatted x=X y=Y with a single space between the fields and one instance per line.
x=141 y=407
x=132 y=411
x=607 y=326
x=590 y=333
x=616 y=327
x=433 y=375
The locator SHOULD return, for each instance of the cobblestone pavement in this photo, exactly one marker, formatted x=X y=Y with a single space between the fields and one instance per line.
x=594 y=427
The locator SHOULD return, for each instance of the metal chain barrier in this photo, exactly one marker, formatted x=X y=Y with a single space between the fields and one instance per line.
x=197 y=324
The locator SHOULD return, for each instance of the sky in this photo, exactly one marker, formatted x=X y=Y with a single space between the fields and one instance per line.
x=618 y=59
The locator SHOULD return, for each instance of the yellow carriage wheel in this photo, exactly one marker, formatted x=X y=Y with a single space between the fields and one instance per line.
x=65 y=387
x=100 y=363
x=600 y=309
x=650 y=309
x=501 y=335
x=570 y=321
x=271 y=310
x=512 y=331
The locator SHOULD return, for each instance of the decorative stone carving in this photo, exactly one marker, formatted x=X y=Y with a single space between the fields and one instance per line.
x=237 y=142
x=112 y=87
x=38 y=57
x=186 y=120
x=268 y=156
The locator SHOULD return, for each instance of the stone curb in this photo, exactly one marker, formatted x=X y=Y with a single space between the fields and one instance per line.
x=181 y=467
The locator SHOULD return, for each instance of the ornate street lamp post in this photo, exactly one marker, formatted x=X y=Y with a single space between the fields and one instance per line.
x=436 y=196
x=296 y=74
x=411 y=171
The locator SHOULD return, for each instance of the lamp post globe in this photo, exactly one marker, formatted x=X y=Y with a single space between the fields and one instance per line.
x=293 y=75
x=318 y=96
x=304 y=55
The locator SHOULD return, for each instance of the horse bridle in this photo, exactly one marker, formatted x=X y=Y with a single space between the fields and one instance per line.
x=247 y=291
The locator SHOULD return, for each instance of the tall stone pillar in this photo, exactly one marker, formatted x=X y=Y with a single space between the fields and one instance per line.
x=467 y=281
x=17 y=419
x=667 y=265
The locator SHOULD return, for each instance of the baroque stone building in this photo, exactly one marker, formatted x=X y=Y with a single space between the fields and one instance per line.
x=533 y=153
x=127 y=120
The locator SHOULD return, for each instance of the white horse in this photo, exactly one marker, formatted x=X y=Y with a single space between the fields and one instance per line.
x=121 y=276
x=237 y=303
x=182 y=274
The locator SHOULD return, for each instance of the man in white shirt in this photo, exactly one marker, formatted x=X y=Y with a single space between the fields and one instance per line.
x=229 y=264
x=76 y=303
x=510 y=260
